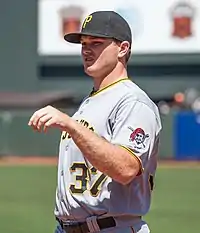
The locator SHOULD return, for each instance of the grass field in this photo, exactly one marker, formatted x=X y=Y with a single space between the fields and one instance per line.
x=27 y=200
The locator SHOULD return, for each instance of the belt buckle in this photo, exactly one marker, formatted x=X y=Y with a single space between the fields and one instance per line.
x=72 y=228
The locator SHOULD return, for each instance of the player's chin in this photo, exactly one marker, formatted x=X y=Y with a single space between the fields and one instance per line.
x=90 y=70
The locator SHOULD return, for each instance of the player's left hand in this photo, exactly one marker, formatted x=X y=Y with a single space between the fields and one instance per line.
x=47 y=117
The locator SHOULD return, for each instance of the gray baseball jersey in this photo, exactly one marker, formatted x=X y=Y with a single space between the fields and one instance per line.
x=124 y=115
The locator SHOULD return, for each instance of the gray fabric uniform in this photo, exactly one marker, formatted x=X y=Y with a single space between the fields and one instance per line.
x=124 y=115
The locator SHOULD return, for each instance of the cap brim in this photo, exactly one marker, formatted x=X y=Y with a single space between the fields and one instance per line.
x=76 y=36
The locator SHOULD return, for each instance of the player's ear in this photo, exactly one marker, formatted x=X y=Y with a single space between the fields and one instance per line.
x=124 y=49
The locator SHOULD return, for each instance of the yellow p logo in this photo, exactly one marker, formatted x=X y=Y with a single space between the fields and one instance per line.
x=87 y=20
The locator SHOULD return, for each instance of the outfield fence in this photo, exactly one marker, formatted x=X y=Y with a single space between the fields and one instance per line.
x=16 y=138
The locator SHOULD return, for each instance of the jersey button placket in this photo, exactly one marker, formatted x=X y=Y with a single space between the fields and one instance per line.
x=81 y=110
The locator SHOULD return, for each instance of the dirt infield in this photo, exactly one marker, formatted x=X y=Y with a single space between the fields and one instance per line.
x=36 y=160
x=178 y=164
x=29 y=160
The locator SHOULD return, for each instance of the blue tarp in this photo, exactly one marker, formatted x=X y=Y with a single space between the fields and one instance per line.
x=187 y=135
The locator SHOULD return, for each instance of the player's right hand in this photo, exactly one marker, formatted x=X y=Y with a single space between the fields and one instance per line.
x=47 y=117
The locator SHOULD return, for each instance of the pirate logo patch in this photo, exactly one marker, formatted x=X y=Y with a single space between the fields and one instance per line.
x=138 y=137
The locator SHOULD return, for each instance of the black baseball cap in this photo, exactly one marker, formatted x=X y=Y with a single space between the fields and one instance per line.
x=105 y=24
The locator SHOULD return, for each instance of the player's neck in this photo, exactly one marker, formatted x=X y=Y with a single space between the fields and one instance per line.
x=114 y=76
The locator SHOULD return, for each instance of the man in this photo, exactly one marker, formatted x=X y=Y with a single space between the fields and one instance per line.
x=105 y=170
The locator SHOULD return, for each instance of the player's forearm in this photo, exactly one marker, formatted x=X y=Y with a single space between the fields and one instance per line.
x=111 y=160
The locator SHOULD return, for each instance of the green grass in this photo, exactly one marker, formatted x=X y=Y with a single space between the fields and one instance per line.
x=27 y=200
x=176 y=201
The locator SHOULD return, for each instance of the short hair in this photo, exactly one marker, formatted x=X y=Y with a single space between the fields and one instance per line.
x=128 y=55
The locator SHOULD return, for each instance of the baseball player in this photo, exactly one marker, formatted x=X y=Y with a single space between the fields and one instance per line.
x=108 y=148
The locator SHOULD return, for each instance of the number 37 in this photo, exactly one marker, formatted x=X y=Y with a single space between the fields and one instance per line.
x=82 y=180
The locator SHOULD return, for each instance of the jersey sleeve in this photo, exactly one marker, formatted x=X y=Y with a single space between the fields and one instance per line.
x=135 y=128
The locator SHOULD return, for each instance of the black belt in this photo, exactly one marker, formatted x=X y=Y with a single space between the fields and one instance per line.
x=82 y=227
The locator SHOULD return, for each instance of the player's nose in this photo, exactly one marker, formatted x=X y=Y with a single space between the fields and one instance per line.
x=86 y=51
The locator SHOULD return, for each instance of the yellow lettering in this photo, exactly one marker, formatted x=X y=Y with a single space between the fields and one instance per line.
x=82 y=122
x=87 y=20
x=64 y=135
x=86 y=124
x=91 y=128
